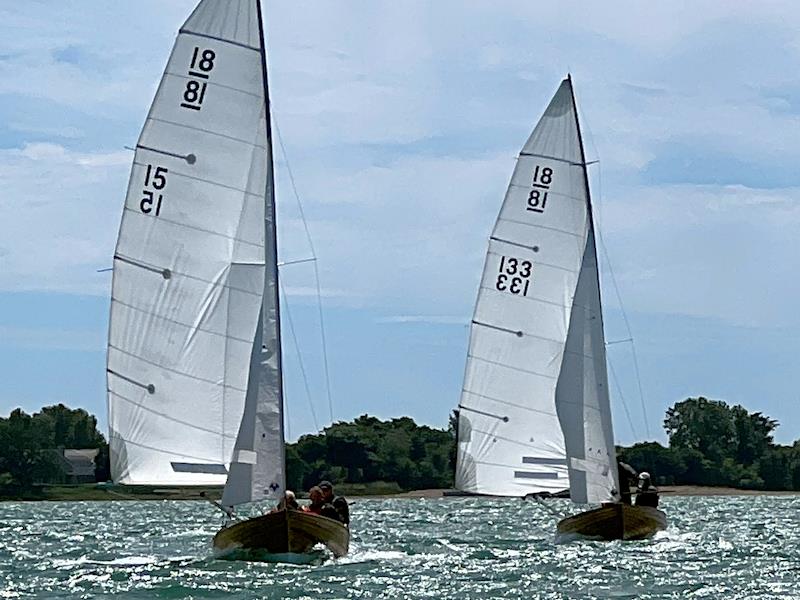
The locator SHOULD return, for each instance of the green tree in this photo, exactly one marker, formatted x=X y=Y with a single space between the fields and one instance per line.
x=23 y=441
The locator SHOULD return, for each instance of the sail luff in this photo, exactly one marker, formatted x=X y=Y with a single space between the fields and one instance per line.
x=257 y=469
x=272 y=225
x=582 y=397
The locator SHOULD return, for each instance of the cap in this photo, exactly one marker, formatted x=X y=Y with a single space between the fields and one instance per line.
x=644 y=475
x=325 y=485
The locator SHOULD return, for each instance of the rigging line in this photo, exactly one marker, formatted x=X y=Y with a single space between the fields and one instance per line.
x=288 y=314
x=628 y=328
x=621 y=396
x=323 y=337
x=616 y=286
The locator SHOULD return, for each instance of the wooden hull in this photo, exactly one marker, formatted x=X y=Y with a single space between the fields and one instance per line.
x=283 y=532
x=615 y=522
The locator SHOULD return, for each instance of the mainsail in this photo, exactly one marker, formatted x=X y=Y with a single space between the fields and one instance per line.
x=194 y=330
x=534 y=414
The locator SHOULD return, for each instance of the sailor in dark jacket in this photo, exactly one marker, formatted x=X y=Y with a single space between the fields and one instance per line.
x=646 y=493
x=341 y=510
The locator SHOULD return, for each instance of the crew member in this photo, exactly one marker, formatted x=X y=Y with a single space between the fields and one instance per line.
x=317 y=501
x=338 y=503
x=646 y=493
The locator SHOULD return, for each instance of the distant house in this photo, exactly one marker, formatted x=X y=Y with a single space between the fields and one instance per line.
x=77 y=465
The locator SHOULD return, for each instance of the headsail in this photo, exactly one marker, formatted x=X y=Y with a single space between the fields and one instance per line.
x=510 y=434
x=189 y=266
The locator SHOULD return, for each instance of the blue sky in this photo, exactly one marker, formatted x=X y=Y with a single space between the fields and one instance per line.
x=401 y=123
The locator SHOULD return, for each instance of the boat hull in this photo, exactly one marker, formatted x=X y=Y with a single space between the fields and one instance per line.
x=283 y=532
x=615 y=521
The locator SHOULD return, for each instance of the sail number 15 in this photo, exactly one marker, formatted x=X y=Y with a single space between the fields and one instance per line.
x=155 y=180
x=514 y=276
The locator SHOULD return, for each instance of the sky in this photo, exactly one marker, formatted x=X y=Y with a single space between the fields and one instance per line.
x=401 y=122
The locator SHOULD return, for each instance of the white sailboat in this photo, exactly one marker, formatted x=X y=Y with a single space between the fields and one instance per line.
x=194 y=352
x=534 y=415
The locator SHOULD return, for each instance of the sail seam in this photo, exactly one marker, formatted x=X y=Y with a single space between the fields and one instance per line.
x=529 y=299
x=167 y=417
x=162 y=450
x=564 y=160
x=505 y=439
x=216 y=183
x=538 y=226
x=212 y=83
x=144 y=265
x=539 y=337
x=507 y=403
x=526 y=188
x=219 y=39
x=174 y=322
x=542 y=264
x=505 y=366
x=176 y=371
x=208 y=131
x=200 y=229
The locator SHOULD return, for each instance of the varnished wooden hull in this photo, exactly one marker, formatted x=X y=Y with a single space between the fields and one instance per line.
x=283 y=532
x=615 y=522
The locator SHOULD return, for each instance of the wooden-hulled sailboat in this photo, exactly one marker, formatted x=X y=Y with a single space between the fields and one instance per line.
x=534 y=415
x=194 y=354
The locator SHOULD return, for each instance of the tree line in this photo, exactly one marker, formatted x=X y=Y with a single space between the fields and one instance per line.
x=710 y=443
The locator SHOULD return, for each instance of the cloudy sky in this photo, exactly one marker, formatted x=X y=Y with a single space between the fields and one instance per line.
x=401 y=121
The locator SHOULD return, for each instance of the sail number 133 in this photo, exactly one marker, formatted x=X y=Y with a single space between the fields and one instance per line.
x=514 y=275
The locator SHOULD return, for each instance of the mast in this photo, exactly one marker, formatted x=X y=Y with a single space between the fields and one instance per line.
x=585 y=182
x=272 y=234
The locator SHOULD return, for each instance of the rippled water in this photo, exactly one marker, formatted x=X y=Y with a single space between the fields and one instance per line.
x=734 y=547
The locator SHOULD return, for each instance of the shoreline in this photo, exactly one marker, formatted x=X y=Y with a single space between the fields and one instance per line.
x=88 y=492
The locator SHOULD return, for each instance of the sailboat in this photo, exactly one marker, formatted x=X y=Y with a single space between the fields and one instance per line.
x=534 y=414
x=194 y=369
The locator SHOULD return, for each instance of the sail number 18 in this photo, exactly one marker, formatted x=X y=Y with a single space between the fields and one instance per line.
x=514 y=276
x=537 y=198
x=199 y=72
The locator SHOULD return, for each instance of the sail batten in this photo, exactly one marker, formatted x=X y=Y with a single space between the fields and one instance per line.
x=526 y=339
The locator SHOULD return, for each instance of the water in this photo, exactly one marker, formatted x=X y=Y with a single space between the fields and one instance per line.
x=722 y=547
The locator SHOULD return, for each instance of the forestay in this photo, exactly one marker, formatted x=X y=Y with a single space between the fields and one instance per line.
x=189 y=266
x=510 y=434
